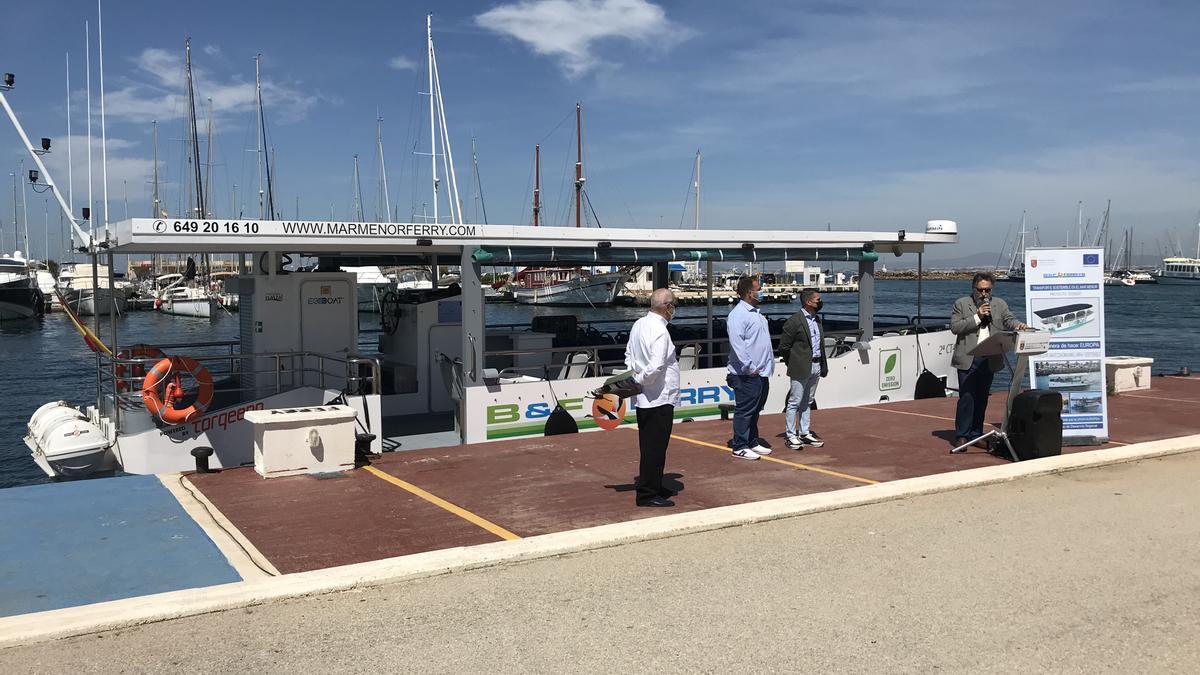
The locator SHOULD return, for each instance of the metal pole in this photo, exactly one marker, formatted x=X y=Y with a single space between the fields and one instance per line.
x=112 y=332
x=708 y=272
x=920 y=276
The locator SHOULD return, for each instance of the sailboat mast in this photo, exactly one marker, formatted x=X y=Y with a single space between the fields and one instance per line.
x=358 y=210
x=208 y=165
x=1079 y=223
x=70 y=163
x=383 y=187
x=87 y=46
x=697 y=226
x=262 y=214
x=155 y=198
x=195 y=131
x=432 y=114
x=578 y=162
x=157 y=213
x=537 y=183
x=1019 y=250
x=103 y=135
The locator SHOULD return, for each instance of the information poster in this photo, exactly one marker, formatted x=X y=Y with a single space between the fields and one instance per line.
x=1064 y=294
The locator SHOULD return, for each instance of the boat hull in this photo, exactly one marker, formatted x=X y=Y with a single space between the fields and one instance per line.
x=20 y=302
x=1177 y=281
x=196 y=308
x=85 y=302
x=593 y=290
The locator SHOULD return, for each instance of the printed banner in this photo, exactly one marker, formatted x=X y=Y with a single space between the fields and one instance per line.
x=1064 y=294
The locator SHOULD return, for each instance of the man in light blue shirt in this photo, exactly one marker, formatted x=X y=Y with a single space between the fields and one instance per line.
x=751 y=362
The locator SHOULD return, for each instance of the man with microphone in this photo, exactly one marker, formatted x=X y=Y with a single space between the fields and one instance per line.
x=973 y=320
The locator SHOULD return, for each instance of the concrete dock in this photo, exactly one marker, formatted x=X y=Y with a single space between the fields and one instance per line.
x=1088 y=571
x=416 y=513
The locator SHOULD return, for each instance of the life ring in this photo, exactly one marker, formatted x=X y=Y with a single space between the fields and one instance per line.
x=164 y=407
x=136 y=370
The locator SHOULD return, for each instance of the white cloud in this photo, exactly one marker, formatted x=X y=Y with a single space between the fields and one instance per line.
x=212 y=50
x=568 y=30
x=156 y=91
x=402 y=63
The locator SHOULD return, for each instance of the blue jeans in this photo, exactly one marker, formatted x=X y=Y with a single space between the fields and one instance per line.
x=800 y=398
x=750 y=395
x=974 y=385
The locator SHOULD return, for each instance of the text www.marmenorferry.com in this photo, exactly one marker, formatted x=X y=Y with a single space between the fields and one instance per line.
x=379 y=229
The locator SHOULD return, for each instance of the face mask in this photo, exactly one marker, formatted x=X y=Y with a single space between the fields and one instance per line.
x=759 y=295
x=820 y=304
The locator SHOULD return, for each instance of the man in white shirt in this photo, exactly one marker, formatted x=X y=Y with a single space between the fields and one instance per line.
x=650 y=354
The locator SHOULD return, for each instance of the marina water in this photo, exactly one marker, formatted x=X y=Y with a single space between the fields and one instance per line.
x=46 y=360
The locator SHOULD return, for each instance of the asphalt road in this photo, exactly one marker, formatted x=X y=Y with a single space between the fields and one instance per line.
x=1089 y=571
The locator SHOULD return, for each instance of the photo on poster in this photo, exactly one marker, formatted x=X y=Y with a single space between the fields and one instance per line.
x=1073 y=317
x=1083 y=403
x=1083 y=375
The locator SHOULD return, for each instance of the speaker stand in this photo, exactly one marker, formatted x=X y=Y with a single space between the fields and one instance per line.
x=1013 y=389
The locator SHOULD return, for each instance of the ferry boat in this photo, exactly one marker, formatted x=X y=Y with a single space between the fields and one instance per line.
x=438 y=373
x=1067 y=380
x=1065 y=317
x=1179 y=272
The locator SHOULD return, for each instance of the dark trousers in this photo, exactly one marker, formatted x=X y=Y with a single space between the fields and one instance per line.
x=974 y=385
x=750 y=396
x=654 y=433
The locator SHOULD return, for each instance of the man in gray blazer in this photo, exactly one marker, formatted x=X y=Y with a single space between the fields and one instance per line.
x=802 y=351
x=974 y=318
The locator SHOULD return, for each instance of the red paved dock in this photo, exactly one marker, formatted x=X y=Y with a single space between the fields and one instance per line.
x=422 y=500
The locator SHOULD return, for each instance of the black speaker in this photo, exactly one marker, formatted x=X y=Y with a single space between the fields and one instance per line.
x=1035 y=424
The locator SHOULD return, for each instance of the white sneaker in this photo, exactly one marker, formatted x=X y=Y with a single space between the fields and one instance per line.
x=812 y=439
x=794 y=442
x=746 y=453
x=761 y=447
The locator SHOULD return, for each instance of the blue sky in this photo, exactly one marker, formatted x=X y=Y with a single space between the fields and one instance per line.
x=875 y=115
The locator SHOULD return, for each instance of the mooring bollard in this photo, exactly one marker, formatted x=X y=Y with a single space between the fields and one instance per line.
x=202 y=454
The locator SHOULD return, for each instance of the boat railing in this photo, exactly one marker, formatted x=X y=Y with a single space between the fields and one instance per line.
x=602 y=358
x=244 y=376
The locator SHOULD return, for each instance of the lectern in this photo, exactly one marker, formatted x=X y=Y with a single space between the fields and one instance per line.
x=1025 y=343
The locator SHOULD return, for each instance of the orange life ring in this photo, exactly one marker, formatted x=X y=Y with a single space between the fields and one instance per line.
x=136 y=370
x=164 y=407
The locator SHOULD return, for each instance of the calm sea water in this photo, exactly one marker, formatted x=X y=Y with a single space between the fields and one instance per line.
x=42 y=361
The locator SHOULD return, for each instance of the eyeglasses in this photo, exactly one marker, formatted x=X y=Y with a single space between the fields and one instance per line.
x=984 y=289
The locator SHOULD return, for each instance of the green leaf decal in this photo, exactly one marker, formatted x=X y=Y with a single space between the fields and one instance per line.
x=890 y=365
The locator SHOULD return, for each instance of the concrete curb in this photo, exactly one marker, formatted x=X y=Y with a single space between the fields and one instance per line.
x=73 y=621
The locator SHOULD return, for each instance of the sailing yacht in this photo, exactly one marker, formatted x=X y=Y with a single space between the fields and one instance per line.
x=1016 y=264
x=20 y=297
x=578 y=286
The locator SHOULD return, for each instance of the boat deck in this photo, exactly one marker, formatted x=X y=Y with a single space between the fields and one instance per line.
x=85 y=542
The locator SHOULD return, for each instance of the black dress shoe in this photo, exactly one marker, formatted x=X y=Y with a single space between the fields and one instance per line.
x=667 y=493
x=657 y=501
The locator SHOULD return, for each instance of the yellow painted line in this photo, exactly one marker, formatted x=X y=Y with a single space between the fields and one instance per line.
x=769 y=458
x=438 y=501
x=1117 y=442
x=905 y=412
x=1156 y=398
